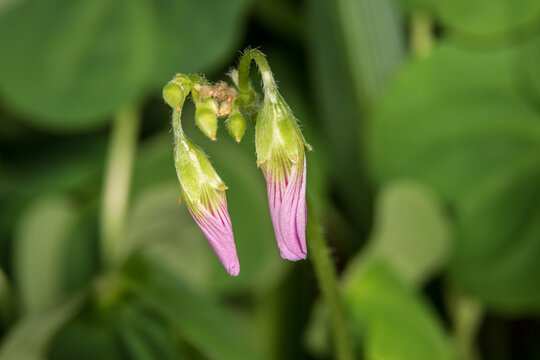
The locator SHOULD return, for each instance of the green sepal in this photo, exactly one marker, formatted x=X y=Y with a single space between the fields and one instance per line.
x=195 y=172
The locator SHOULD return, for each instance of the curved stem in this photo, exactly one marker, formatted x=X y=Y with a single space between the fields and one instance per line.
x=264 y=69
x=328 y=283
x=118 y=171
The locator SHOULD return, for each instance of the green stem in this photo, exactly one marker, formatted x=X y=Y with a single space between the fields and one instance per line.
x=118 y=173
x=421 y=41
x=327 y=279
x=467 y=317
x=264 y=69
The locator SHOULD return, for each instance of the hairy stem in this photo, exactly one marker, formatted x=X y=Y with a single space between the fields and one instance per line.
x=327 y=280
x=118 y=173
x=264 y=69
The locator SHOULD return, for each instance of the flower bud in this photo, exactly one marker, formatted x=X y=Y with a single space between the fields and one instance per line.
x=206 y=117
x=281 y=156
x=173 y=95
x=236 y=124
x=204 y=194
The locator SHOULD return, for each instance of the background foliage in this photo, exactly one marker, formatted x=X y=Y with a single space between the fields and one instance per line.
x=425 y=120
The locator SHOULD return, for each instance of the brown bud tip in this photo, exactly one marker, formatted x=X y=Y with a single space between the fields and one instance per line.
x=213 y=138
x=178 y=109
x=177 y=74
x=294 y=158
x=179 y=199
x=238 y=139
x=223 y=187
x=229 y=99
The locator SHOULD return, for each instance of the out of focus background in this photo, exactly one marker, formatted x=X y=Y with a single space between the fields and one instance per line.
x=424 y=116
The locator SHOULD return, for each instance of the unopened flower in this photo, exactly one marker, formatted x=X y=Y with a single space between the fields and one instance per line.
x=200 y=186
x=281 y=156
x=204 y=194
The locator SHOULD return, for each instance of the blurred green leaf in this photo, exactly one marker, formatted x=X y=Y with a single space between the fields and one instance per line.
x=483 y=17
x=411 y=232
x=448 y=121
x=354 y=48
x=372 y=35
x=72 y=64
x=528 y=68
x=40 y=251
x=90 y=336
x=145 y=337
x=29 y=338
x=199 y=319
x=168 y=234
x=393 y=323
x=5 y=298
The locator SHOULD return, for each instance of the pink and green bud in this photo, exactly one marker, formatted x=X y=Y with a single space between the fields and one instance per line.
x=204 y=193
x=281 y=156
x=200 y=186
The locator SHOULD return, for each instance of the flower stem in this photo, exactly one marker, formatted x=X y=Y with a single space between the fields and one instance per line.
x=421 y=40
x=327 y=279
x=117 y=182
x=264 y=69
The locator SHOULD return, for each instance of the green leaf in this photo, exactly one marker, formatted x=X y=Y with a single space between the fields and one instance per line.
x=92 y=335
x=167 y=233
x=354 y=48
x=29 y=338
x=391 y=320
x=5 y=298
x=145 y=337
x=71 y=64
x=411 y=232
x=529 y=58
x=40 y=251
x=483 y=17
x=199 y=320
x=450 y=122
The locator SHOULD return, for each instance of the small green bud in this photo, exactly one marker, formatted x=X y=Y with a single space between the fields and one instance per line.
x=206 y=117
x=173 y=95
x=236 y=124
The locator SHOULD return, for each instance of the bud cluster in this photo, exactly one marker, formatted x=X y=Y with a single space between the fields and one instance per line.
x=280 y=148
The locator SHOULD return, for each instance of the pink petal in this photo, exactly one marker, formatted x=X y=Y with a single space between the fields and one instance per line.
x=287 y=201
x=216 y=226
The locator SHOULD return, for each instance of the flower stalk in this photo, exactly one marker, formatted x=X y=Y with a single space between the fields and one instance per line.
x=329 y=287
x=117 y=183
